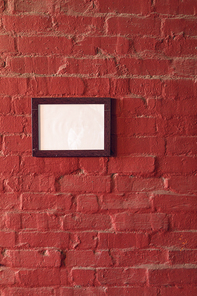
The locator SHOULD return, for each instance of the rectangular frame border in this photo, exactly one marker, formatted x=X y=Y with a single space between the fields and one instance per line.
x=68 y=153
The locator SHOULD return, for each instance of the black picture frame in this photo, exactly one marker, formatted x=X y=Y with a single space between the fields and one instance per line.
x=37 y=152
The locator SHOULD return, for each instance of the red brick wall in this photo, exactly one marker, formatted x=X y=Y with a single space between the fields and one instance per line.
x=123 y=225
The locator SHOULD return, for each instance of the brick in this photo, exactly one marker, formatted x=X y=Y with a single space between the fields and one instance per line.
x=177 y=165
x=127 y=201
x=119 y=87
x=13 y=86
x=7 y=276
x=21 y=105
x=11 y=124
x=141 y=126
x=7 y=44
x=143 y=7
x=97 y=86
x=130 y=183
x=176 y=26
x=185 y=67
x=2 y=5
x=134 y=291
x=172 y=203
x=82 y=291
x=69 y=24
x=9 y=201
x=9 y=165
x=133 y=26
x=39 y=277
x=178 y=184
x=75 y=6
x=50 y=45
x=132 y=165
x=146 y=87
x=86 y=221
x=5 y=105
x=138 y=145
x=44 y=239
x=179 y=276
x=83 y=240
x=91 y=67
x=40 y=183
x=32 y=258
x=89 y=184
x=38 y=65
x=7 y=239
x=87 y=203
x=65 y=85
x=93 y=165
x=104 y=45
x=26 y=23
x=121 y=277
x=60 y=202
x=177 y=7
x=182 y=256
x=127 y=222
x=178 y=47
x=34 y=7
x=184 y=221
x=182 y=145
x=179 y=240
x=133 y=66
x=176 y=127
x=13 y=220
x=75 y=258
x=135 y=257
x=31 y=291
x=178 y=291
x=122 y=240
x=180 y=88
x=17 y=144
x=83 y=277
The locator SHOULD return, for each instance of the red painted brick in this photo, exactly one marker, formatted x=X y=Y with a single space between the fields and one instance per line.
x=38 y=65
x=83 y=277
x=184 y=67
x=184 y=221
x=177 y=7
x=65 y=85
x=136 y=257
x=93 y=165
x=7 y=276
x=178 y=184
x=75 y=258
x=138 y=145
x=132 y=165
x=97 y=87
x=9 y=201
x=122 y=240
x=182 y=256
x=40 y=183
x=11 y=124
x=35 y=6
x=7 y=239
x=5 y=106
x=129 y=183
x=89 y=184
x=26 y=23
x=86 y=221
x=87 y=203
x=146 y=87
x=176 y=26
x=105 y=45
x=32 y=258
x=13 y=85
x=9 y=165
x=178 y=239
x=17 y=144
x=60 y=202
x=120 y=202
x=25 y=291
x=22 y=105
x=142 y=7
x=127 y=222
x=7 y=44
x=13 y=220
x=75 y=6
x=50 y=45
x=179 y=88
x=44 y=239
x=178 y=47
x=134 y=291
x=178 y=291
x=83 y=240
x=133 y=26
x=141 y=126
x=2 y=5
x=133 y=66
x=177 y=165
x=161 y=277
x=121 y=277
x=91 y=67
x=69 y=24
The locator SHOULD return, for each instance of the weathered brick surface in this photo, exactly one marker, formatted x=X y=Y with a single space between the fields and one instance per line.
x=104 y=226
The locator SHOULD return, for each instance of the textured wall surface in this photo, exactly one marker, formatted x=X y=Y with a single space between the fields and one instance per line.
x=123 y=225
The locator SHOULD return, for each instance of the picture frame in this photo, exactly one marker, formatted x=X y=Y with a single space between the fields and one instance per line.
x=71 y=127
